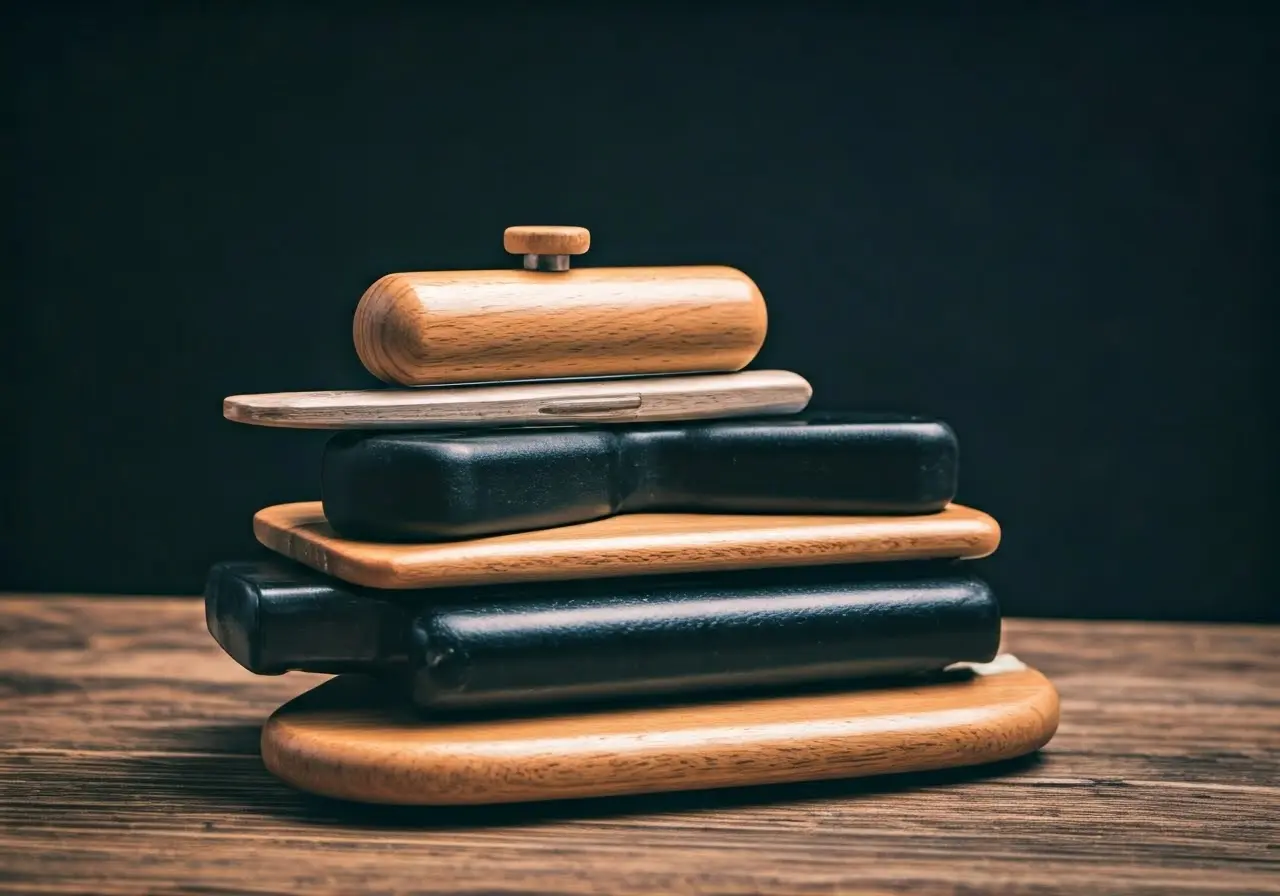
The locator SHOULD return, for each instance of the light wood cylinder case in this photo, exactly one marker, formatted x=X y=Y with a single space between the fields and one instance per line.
x=433 y=328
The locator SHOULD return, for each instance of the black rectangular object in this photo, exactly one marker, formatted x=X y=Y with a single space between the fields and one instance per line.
x=604 y=638
x=428 y=486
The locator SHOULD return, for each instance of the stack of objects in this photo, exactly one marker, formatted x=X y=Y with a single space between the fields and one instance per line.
x=575 y=549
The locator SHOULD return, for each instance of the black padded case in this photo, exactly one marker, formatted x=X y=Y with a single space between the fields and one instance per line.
x=605 y=638
x=429 y=486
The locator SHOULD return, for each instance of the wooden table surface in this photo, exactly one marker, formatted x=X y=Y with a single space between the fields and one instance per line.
x=130 y=765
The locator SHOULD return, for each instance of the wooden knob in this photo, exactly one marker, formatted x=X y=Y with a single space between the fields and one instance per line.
x=546 y=247
x=531 y=239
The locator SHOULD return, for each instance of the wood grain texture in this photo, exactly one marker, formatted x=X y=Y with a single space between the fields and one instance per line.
x=631 y=544
x=129 y=763
x=546 y=239
x=431 y=328
x=648 y=399
x=344 y=740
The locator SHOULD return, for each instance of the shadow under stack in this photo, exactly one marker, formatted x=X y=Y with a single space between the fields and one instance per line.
x=614 y=561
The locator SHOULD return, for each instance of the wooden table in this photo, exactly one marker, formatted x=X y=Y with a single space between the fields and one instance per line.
x=130 y=764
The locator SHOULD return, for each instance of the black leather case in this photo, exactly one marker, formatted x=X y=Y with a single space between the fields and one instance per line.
x=605 y=638
x=422 y=486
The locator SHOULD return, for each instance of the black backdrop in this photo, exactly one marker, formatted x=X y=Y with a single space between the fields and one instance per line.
x=1056 y=231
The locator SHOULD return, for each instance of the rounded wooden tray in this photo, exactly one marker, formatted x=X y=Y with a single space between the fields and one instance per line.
x=631 y=544
x=348 y=740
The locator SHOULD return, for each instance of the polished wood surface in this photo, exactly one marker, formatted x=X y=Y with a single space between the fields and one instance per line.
x=533 y=239
x=129 y=763
x=342 y=741
x=630 y=544
x=432 y=328
x=644 y=399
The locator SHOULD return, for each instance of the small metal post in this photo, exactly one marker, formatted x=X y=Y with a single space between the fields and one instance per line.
x=546 y=262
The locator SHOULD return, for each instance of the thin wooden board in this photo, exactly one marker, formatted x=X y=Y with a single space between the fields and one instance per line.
x=347 y=740
x=631 y=544
x=624 y=400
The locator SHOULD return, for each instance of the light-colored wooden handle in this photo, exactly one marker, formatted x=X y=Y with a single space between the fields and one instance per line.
x=546 y=240
x=631 y=544
x=646 y=399
x=436 y=328
x=347 y=739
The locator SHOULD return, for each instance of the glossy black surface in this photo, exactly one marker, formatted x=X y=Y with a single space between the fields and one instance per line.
x=596 y=639
x=421 y=486
x=273 y=617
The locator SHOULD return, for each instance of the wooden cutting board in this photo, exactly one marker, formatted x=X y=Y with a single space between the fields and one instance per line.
x=631 y=544
x=348 y=740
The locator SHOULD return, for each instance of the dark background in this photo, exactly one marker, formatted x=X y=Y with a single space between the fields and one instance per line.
x=1056 y=230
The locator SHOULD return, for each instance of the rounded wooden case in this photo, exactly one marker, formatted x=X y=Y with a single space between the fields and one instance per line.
x=434 y=327
x=349 y=739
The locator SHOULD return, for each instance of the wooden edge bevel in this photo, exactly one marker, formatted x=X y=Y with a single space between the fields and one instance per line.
x=627 y=544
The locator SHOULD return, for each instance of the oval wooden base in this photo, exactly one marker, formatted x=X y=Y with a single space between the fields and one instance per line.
x=347 y=740
x=631 y=544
